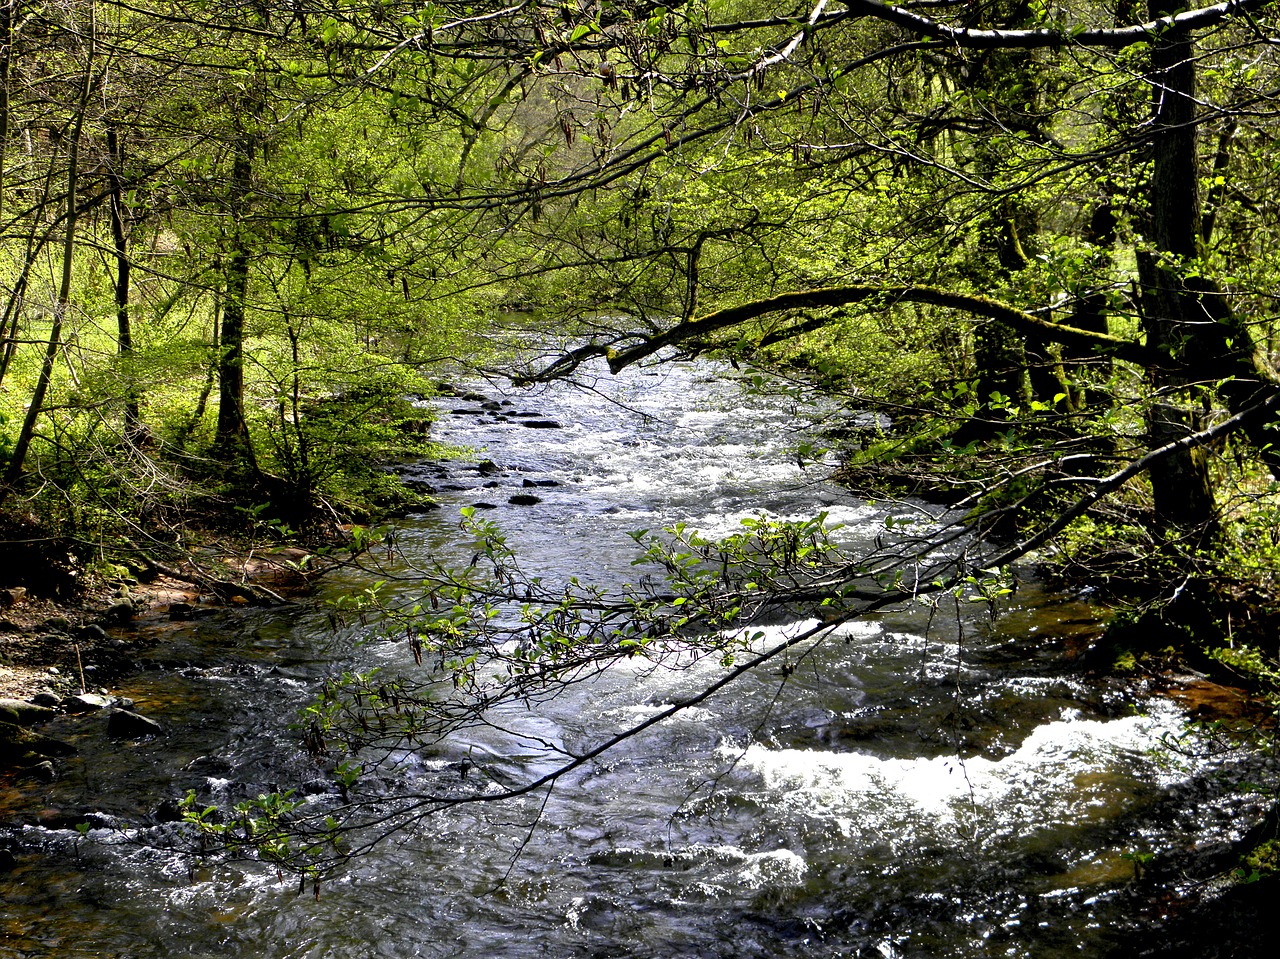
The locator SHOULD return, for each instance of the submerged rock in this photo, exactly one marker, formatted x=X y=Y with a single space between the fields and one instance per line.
x=542 y=425
x=18 y=745
x=43 y=772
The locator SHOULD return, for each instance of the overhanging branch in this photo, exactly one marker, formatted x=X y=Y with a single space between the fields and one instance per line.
x=1114 y=38
x=1028 y=324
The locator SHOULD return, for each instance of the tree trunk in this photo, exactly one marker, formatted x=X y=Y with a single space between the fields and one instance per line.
x=233 y=432
x=27 y=433
x=120 y=235
x=1181 y=490
x=6 y=60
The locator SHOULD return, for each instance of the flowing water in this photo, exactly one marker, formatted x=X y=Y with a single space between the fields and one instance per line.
x=918 y=786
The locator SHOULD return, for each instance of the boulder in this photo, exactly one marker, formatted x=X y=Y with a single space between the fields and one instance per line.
x=22 y=713
x=542 y=425
x=169 y=810
x=524 y=499
x=87 y=703
x=43 y=772
x=126 y=724
x=180 y=611
x=47 y=698
x=62 y=819
x=121 y=611
x=12 y=596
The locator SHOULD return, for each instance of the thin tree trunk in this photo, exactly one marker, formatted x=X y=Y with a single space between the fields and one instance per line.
x=6 y=61
x=120 y=235
x=35 y=243
x=23 y=442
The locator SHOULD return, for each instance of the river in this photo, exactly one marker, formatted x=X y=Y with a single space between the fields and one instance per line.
x=918 y=786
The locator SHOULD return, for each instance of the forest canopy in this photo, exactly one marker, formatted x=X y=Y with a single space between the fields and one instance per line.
x=216 y=216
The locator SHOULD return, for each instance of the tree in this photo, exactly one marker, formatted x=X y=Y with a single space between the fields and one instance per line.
x=86 y=32
x=202 y=176
x=1190 y=334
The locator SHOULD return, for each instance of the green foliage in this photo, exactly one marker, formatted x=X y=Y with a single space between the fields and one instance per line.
x=1262 y=862
x=1252 y=664
x=319 y=207
x=265 y=827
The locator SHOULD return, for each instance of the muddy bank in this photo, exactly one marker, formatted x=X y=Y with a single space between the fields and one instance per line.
x=83 y=640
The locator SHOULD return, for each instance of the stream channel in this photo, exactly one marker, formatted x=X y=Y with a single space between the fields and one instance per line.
x=917 y=787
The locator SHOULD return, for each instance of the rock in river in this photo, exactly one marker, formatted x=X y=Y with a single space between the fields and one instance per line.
x=22 y=713
x=86 y=703
x=18 y=745
x=126 y=724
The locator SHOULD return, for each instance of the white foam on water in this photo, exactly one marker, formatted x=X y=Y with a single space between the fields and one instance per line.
x=728 y=523
x=728 y=869
x=781 y=867
x=1069 y=770
x=641 y=712
x=857 y=629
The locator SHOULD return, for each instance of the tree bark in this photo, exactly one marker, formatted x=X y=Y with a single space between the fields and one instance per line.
x=120 y=237
x=233 y=431
x=1181 y=490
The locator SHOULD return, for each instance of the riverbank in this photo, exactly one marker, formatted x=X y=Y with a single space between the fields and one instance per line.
x=84 y=638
